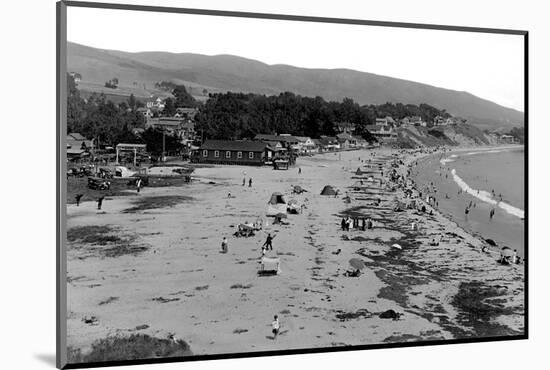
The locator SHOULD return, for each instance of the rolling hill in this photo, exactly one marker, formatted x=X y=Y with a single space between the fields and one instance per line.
x=222 y=73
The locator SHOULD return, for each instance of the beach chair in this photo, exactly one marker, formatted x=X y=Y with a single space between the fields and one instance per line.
x=269 y=266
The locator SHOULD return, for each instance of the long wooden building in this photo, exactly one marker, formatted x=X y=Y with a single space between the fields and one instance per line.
x=239 y=152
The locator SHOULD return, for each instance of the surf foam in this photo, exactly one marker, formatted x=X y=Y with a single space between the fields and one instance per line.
x=486 y=197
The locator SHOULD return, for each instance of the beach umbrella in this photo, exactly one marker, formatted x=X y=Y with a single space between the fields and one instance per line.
x=281 y=215
x=396 y=246
x=492 y=242
x=356 y=263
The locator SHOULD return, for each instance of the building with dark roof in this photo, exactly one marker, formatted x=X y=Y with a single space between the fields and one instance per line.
x=241 y=152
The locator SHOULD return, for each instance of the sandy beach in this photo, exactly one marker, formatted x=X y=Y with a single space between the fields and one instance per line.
x=159 y=269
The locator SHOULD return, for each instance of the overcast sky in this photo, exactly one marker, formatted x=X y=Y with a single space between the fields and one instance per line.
x=487 y=65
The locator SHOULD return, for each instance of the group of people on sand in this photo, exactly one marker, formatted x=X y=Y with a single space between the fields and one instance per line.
x=78 y=198
x=249 y=182
x=360 y=223
x=507 y=259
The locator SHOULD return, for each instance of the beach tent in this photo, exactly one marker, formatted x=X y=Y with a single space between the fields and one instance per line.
x=121 y=171
x=276 y=204
x=328 y=190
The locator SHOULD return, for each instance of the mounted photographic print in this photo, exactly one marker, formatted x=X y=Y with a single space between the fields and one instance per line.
x=237 y=184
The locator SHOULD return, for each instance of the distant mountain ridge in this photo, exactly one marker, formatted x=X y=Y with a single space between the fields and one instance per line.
x=222 y=73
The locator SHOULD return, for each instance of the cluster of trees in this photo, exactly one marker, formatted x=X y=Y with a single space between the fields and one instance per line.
x=165 y=85
x=100 y=118
x=110 y=123
x=518 y=133
x=112 y=83
x=238 y=116
x=181 y=99
x=399 y=111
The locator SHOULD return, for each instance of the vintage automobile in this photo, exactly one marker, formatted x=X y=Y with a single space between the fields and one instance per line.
x=97 y=183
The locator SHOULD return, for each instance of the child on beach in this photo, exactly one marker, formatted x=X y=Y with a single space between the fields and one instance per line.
x=275 y=326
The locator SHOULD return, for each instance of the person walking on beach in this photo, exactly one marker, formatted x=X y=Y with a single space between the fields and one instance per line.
x=275 y=326
x=78 y=197
x=225 y=245
x=138 y=184
x=343 y=224
x=299 y=170
x=268 y=242
x=492 y=213
x=100 y=202
x=250 y=182
x=244 y=181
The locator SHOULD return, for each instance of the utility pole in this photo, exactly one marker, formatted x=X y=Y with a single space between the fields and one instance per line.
x=163 y=146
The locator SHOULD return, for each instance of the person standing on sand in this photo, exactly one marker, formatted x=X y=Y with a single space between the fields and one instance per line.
x=78 y=197
x=244 y=181
x=225 y=245
x=138 y=184
x=275 y=325
x=492 y=213
x=100 y=202
x=343 y=224
x=299 y=170
x=250 y=182
x=268 y=242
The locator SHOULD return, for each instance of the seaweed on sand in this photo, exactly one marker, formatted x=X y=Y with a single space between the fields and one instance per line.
x=478 y=305
x=161 y=201
x=102 y=241
x=133 y=347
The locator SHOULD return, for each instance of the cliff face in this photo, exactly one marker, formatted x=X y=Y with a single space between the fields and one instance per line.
x=454 y=135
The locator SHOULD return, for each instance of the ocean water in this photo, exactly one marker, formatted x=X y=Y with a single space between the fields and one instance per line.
x=481 y=180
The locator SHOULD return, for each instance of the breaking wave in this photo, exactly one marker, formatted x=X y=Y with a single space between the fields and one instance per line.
x=486 y=197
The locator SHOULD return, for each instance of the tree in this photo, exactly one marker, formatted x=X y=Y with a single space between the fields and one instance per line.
x=132 y=102
x=183 y=98
x=169 y=107
x=153 y=138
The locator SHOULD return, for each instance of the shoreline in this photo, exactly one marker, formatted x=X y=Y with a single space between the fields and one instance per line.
x=318 y=306
x=470 y=228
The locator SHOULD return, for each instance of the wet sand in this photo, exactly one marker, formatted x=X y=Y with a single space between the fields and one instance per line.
x=175 y=280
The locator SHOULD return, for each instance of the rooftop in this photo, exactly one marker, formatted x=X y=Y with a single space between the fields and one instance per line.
x=240 y=145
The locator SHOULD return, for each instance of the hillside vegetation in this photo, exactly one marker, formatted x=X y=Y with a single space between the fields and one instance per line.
x=223 y=73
